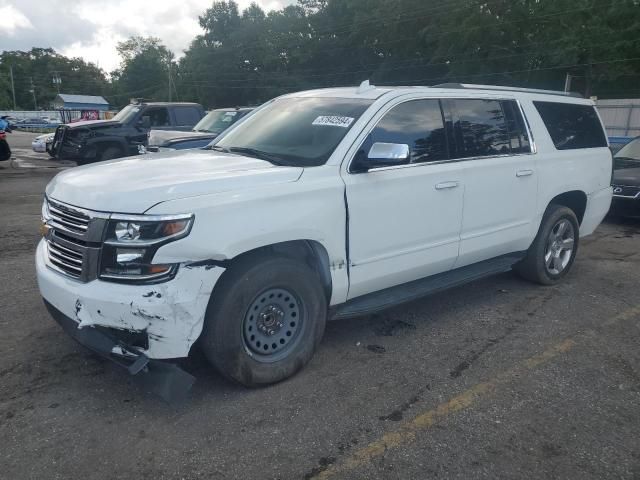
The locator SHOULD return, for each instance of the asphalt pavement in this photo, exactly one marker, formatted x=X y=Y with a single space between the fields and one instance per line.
x=496 y=379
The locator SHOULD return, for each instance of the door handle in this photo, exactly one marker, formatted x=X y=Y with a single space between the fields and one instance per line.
x=445 y=185
x=524 y=173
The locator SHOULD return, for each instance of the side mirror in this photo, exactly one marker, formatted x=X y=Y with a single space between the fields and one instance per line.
x=381 y=155
x=388 y=154
x=145 y=121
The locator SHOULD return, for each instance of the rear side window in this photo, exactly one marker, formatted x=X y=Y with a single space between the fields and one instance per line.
x=518 y=137
x=417 y=123
x=572 y=126
x=186 y=116
x=480 y=128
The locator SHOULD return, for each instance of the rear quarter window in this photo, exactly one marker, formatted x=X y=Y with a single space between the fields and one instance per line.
x=572 y=126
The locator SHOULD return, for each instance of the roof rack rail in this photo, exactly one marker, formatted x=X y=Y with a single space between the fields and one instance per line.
x=469 y=86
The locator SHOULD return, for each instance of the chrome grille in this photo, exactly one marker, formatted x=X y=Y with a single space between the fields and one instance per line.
x=68 y=218
x=73 y=239
x=65 y=258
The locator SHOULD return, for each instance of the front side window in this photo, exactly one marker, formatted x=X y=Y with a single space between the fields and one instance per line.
x=159 y=116
x=417 y=123
x=572 y=126
x=295 y=131
x=480 y=128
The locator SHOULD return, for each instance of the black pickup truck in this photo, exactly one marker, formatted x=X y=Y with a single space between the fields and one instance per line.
x=125 y=134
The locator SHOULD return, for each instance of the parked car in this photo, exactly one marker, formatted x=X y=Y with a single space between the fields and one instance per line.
x=213 y=124
x=41 y=142
x=617 y=142
x=626 y=180
x=5 y=150
x=125 y=134
x=322 y=204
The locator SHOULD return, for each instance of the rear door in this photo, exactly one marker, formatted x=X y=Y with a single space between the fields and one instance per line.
x=493 y=144
x=404 y=220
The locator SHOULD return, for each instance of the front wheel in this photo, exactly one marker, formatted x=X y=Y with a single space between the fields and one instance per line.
x=554 y=249
x=265 y=320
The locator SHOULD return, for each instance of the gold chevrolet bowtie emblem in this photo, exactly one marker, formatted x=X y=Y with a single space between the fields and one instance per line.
x=44 y=229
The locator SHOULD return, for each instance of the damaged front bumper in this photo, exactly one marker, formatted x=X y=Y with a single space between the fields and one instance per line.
x=160 y=321
x=164 y=379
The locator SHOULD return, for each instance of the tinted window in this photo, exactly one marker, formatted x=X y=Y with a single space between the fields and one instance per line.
x=518 y=138
x=186 y=116
x=159 y=116
x=418 y=124
x=572 y=126
x=480 y=128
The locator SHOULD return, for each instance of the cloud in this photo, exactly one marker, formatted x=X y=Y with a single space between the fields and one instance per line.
x=91 y=29
x=12 y=20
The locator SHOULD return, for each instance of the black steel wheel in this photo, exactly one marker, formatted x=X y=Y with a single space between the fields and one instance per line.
x=265 y=319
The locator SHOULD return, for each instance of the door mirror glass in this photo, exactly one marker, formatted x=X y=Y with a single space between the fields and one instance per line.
x=387 y=154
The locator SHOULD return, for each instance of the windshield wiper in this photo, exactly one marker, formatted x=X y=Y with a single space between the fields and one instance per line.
x=252 y=152
x=218 y=149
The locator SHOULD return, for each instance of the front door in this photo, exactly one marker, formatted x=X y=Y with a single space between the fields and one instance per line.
x=404 y=220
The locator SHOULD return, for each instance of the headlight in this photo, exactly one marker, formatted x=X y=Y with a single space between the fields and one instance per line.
x=132 y=241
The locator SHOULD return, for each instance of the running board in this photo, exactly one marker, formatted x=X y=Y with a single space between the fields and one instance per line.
x=373 y=302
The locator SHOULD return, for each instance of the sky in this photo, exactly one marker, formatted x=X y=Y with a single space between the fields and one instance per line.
x=91 y=28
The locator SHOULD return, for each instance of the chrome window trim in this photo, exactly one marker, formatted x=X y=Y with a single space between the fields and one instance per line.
x=630 y=197
x=533 y=150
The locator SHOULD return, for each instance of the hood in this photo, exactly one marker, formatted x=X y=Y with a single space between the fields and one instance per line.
x=159 y=138
x=135 y=184
x=627 y=176
x=92 y=124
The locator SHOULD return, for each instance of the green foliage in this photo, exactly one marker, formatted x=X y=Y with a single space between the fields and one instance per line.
x=36 y=69
x=248 y=56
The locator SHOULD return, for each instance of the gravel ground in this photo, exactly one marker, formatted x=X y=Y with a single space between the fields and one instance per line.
x=497 y=379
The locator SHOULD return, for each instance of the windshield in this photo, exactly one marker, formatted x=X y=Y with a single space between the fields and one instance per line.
x=126 y=114
x=296 y=131
x=217 y=121
x=628 y=156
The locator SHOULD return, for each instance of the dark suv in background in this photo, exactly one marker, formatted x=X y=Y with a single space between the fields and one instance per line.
x=123 y=135
x=212 y=125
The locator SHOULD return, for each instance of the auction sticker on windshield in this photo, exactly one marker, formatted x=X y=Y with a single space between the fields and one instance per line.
x=333 y=121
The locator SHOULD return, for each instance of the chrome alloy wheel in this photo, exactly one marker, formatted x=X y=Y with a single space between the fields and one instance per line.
x=559 y=247
x=272 y=324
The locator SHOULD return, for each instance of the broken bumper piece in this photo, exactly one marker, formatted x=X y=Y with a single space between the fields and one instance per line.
x=162 y=378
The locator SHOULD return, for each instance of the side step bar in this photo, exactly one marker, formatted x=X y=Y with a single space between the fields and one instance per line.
x=374 y=302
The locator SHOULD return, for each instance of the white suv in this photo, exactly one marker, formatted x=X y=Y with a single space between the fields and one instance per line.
x=320 y=204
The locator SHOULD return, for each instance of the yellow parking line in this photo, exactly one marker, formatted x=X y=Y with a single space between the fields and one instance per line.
x=408 y=431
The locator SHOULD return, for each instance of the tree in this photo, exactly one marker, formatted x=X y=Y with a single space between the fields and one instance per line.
x=144 y=70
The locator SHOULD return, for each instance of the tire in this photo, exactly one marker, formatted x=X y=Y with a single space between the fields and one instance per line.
x=265 y=319
x=110 y=153
x=552 y=254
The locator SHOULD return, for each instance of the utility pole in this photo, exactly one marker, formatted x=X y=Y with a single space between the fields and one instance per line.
x=13 y=88
x=56 y=80
x=33 y=92
x=169 y=80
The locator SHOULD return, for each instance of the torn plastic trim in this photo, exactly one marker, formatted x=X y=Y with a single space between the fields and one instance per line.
x=164 y=379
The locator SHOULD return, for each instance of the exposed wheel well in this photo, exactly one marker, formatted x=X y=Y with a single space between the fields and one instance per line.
x=308 y=251
x=576 y=200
